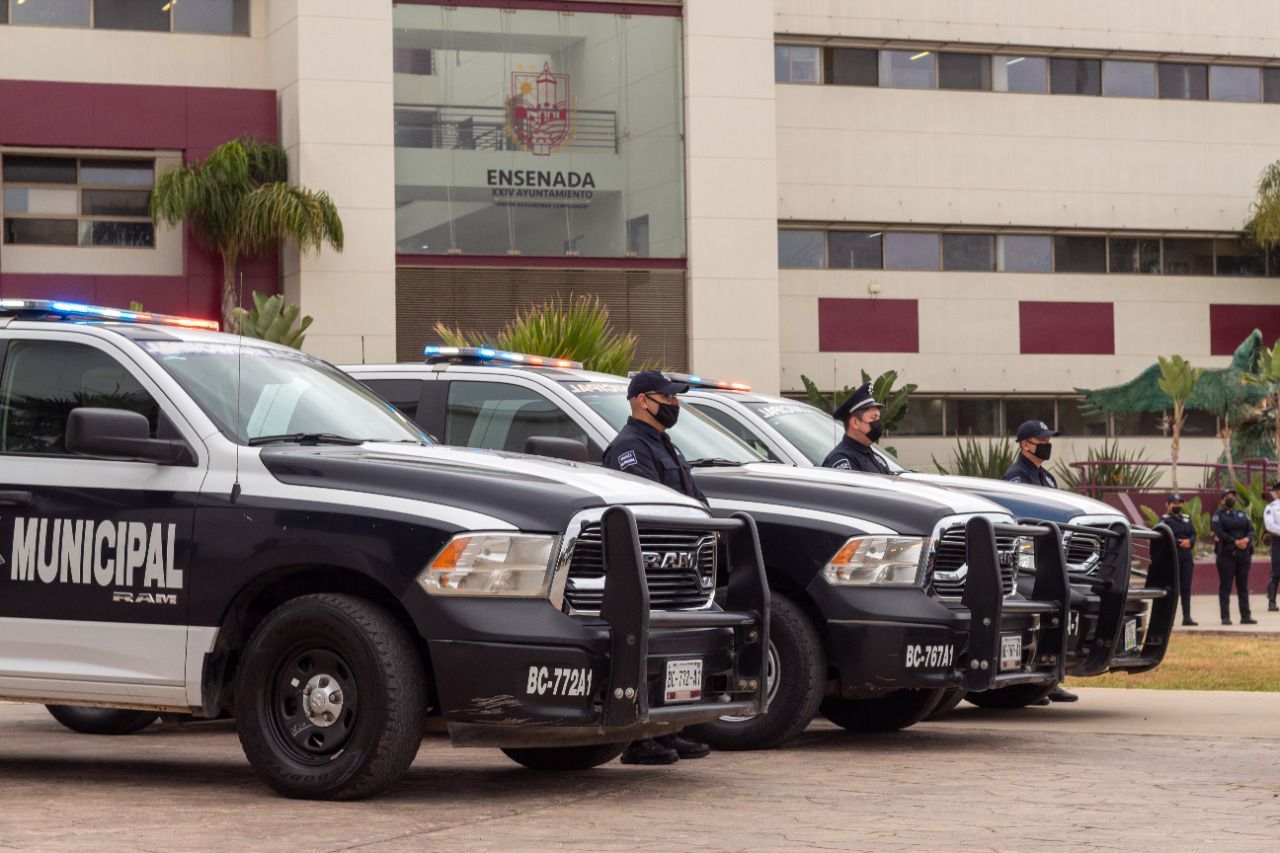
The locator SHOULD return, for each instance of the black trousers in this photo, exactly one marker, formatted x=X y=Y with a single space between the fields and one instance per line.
x=1186 y=566
x=1274 y=582
x=1234 y=567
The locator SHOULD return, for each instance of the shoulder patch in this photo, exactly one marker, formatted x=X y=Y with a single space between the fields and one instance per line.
x=1015 y=479
x=626 y=460
x=843 y=465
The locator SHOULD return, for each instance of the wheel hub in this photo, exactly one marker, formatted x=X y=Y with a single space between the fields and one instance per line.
x=322 y=698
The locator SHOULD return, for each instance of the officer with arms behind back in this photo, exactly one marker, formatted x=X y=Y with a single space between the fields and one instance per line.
x=862 y=428
x=1034 y=449
x=1185 y=532
x=1233 y=535
x=642 y=447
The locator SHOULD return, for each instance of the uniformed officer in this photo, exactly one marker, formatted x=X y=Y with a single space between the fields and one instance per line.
x=1185 y=534
x=860 y=415
x=642 y=447
x=1233 y=535
x=1271 y=520
x=1034 y=448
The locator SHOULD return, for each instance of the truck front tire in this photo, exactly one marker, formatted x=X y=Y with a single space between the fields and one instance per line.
x=330 y=698
x=896 y=710
x=101 y=721
x=558 y=758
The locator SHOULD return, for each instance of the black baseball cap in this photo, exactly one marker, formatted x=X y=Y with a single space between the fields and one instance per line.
x=1174 y=498
x=1275 y=486
x=1034 y=429
x=653 y=382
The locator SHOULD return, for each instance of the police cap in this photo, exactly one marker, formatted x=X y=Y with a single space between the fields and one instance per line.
x=653 y=382
x=858 y=400
x=1174 y=498
x=1034 y=429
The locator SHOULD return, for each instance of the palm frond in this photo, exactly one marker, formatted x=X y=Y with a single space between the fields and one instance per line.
x=280 y=211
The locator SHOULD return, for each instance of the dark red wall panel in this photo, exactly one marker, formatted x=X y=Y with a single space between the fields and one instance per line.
x=1067 y=328
x=1229 y=325
x=868 y=325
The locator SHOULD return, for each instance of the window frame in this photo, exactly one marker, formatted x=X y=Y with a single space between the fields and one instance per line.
x=91 y=20
x=568 y=413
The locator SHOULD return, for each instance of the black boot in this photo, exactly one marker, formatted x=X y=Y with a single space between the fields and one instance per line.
x=648 y=751
x=1057 y=694
x=684 y=747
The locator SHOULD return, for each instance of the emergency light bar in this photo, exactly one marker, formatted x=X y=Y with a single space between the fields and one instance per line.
x=436 y=353
x=77 y=310
x=699 y=382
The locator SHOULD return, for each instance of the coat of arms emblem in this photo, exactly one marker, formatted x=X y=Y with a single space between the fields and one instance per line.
x=540 y=115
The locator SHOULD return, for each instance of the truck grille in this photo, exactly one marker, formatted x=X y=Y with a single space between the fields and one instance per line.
x=1084 y=550
x=680 y=567
x=949 y=571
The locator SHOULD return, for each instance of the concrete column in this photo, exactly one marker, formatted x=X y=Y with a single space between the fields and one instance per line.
x=331 y=64
x=731 y=169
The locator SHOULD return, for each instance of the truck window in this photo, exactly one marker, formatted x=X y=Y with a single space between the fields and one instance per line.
x=498 y=416
x=404 y=394
x=735 y=427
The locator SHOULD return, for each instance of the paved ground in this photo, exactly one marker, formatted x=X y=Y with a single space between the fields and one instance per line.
x=1120 y=770
x=1204 y=609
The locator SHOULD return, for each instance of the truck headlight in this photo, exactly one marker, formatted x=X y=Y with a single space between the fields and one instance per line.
x=498 y=564
x=878 y=561
x=1026 y=556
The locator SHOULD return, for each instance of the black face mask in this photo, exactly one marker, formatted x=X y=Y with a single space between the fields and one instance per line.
x=1175 y=510
x=1229 y=503
x=874 y=431
x=1043 y=451
x=667 y=414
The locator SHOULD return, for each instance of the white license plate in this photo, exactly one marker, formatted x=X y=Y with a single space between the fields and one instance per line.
x=1010 y=651
x=1130 y=634
x=683 y=682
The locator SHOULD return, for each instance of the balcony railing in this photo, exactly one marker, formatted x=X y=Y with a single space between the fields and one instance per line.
x=480 y=128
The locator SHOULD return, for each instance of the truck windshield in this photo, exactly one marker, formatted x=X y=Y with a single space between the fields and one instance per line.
x=282 y=393
x=813 y=432
x=695 y=435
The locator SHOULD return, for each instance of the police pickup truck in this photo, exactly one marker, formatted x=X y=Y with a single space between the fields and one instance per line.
x=864 y=626
x=195 y=523
x=1123 y=579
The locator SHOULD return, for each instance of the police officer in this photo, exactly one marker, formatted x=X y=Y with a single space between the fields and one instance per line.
x=1271 y=520
x=860 y=415
x=1185 y=533
x=1233 y=535
x=1034 y=448
x=642 y=447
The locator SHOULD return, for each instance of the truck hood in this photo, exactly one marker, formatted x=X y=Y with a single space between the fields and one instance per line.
x=1021 y=500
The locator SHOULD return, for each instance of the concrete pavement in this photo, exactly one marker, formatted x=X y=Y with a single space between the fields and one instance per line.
x=1204 y=610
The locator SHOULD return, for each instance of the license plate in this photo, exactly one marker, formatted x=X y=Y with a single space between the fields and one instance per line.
x=1130 y=634
x=683 y=682
x=1010 y=651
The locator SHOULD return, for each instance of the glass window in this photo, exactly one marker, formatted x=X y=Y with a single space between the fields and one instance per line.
x=1133 y=255
x=800 y=249
x=117 y=173
x=25 y=200
x=212 y=16
x=1072 y=419
x=1188 y=257
x=907 y=69
x=812 y=431
x=973 y=417
x=1200 y=424
x=20 y=168
x=964 y=71
x=132 y=235
x=922 y=417
x=638 y=236
x=4 y=13
x=1018 y=410
x=404 y=394
x=969 y=252
x=1128 y=79
x=853 y=66
x=499 y=416
x=1080 y=254
x=116 y=202
x=1020 y=74
x=858 y=250
x=56 y=13
x=1183 y=82
x=29 y=210
x=1238 y=257
x=906 y=250
x=796 y=64
x=1271 y=85
x=1235 y=83
x=44 y=380
x=40 y=232
x=1075 y=76
x=1024 y=253
x=131 y=15
x=737 y=429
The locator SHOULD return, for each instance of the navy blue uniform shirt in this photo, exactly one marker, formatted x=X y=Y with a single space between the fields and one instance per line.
x=644 y=451
x=1182 y=529
x=850 y=455
x=1022 y=471
x=1230 y=525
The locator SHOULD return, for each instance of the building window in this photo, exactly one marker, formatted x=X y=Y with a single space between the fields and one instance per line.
x=975 y=252
x=131 y=15
x=1182 y=82
x=922 y=417
x=1133 y=255
x=964 y=71
x=855 y=250
x=412 y=60
x=853 y=66
x=1271 y=85
x=1079 y=254
x=230 y=17
x=69 y=201
x=638 y=236
x=796 y=64
x=973 y=416
x=51 y=13
x=1024 y=253
x=1075 y=76
x=191 y=16
x=803 y=250
x=1020 y=74
x=907 y=69
x=1239 y=258
x=1185 y=256
x=910 y=250
x=1128 y=79
x=1235 y=83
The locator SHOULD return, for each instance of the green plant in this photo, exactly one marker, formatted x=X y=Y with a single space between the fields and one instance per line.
x=579 y=330
x=1178 y=381
x=1253 y=503
x=821 y=400
x=1112 y=466
x=1267 y=375
x=895 y=402
x=271 y=320
x=238 y=201
x=970 y=459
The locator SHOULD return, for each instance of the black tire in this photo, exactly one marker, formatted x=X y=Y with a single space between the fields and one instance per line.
x=896 y=710
x=1017 y=696
x=560 y=758
x=950 y=699
x=366 y=733
x=801 y=667
x=102 y=721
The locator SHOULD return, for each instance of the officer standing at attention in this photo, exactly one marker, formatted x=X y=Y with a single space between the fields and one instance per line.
x=1233 y=533
x=642 y=447
x=1034 y=449
x=1185 y=533
x=1271 y=520
x=860 y=415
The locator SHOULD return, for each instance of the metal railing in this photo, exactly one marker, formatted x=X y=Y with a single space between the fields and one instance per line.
x=1095 y=484
x=482 y=128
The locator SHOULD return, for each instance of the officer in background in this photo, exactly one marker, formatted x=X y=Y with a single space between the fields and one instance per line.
x=860 y=415
x=1034 y=449
x=1185 y=533
x=1233 y=536
x=642 y=447
x=1271 y=520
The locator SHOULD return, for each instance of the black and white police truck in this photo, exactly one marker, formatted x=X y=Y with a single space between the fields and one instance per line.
x=870 y=623
x=1123 y=579
x=200 y=524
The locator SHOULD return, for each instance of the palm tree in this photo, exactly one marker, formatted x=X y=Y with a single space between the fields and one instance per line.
x=1178 y=380
x=1263 y=226
x=239 y=202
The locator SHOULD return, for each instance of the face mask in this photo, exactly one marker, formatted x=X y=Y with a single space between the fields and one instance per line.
x=874 y=431
x=1044 y=451
x=1229 y=503
x=667 y=414
x=1175 y=510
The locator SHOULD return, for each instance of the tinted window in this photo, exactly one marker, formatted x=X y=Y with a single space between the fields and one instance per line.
x=1024 y=253
x=21 y=169
x=795 y=64
x=503 y=417
x=1188 y=257
x=212 y=16
x=404 y=394
x=922 y=417
x=813 y=432
x=968 y=252
x=1072 y=419
x=1234 y=83
x=973 y=417
x=852 y=66
x=1271 y=85
x=735 y=428
x=1236 y=257
x=906 y=69
x=132 y=15
x=905 y=250
x=58 y=13
x=1080 y=254
x=1075 y=77
x=1018 y=411
x=1184 y=82
x=1020 y=74
x=800 y=249
x=859 y=250
x=1129 y=79
x=40 y=232
x=1134 y=255
x=44 y=380
x=964 y=71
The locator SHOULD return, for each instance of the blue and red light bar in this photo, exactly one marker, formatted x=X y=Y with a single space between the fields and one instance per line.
x=80 y=311
x=435 y=353
x=695 y=381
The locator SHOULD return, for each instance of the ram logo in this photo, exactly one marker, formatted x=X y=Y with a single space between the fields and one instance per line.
x=670 y=559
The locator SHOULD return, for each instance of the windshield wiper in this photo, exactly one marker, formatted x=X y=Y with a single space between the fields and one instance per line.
x=714 y=462
x=304 y=438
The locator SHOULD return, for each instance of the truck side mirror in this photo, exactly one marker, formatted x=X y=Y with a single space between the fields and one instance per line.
x=556 y=447
x=121 y=434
